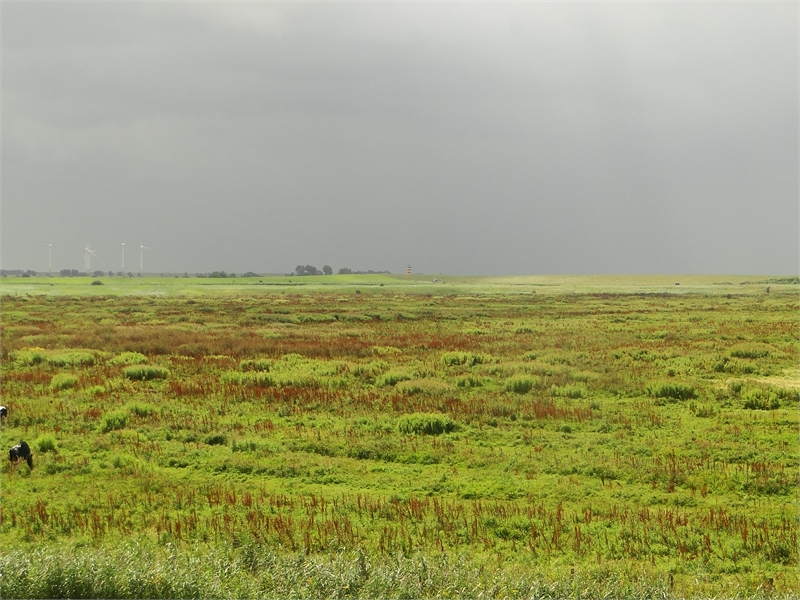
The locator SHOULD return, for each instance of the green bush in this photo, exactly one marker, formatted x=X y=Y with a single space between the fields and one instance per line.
x=258 y=364
x=140 y=409
x=245 y=446
x=28 y=356
x=393 y=378
x=735 y=366
x=471 y=381
x=431 y=387
x=761 y=399
x=521 y=384
x=252 y=378
x=425 y=423
x=128 y=358
x=452 y=359
x=385 y=350
x=47 y=443
x=370 y=369
x=63 y=381
x=735 y=387
x=216 y=439
x=753 y=350
x=145 y=373
x=73 y=358
x=569 y=391
x=114 y=420
x=672 y=391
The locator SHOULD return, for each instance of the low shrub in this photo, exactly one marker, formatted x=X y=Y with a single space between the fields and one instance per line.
x=392 y=378
x=672 y=391
x=145 y=373
x=216 y=439
x=735 y=366
x=735 y=387
x=521 y=384
x=140 y=409
x=386 y=350
x=767 y=397
x=128 y=358
x=452 y=359
x=47 y=443
x=753 y=350
x=71 y=358
x=114 y=420
x=28 y=356
x=370 y=369
x=63 y=381
x=245 y=446
x=431 y=387
x=471 y=381
x=569 y=391
x=425 y=424
x=252 y=378
x=255 y=364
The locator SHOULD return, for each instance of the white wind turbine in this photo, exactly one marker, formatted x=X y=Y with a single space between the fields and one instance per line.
x=141 y=257
x=49 y=259
x=88 y=253
x=123 y=257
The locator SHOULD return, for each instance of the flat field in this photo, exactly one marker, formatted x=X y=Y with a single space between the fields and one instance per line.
x=392 y=436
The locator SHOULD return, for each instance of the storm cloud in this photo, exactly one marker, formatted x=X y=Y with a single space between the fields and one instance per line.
x=474 y=138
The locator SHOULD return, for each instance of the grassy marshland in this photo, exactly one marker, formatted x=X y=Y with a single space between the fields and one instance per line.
x=386 y=437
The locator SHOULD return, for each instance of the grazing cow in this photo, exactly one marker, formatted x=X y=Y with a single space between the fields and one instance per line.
x=3 y=412
x=21 y=451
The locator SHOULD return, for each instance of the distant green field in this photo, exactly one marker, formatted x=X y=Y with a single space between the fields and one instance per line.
x=392 y=436
x=440 y=284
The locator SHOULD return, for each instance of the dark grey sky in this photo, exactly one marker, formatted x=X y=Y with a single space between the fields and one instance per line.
x=474 y=138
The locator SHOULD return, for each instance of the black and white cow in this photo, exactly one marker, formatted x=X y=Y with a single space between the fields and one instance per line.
x=21 y=451
x=3 y=412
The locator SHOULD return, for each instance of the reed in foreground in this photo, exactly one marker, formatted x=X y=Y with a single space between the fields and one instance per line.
x=149 y=571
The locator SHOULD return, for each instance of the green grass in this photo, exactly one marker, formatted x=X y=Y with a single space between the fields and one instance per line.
x=528 y=437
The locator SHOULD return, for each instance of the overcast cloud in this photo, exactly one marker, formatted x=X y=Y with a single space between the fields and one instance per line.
x=475 y=138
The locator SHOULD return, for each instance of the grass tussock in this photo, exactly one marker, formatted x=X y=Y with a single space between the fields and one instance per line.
x=145 y=372
x=128 y=358
x=671 y=391
x=425 y=424
x=63 y=381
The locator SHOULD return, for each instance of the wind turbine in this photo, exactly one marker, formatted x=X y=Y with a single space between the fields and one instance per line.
x=141 y=257
x=88 y=253
x=123 y=256
x=49 y=259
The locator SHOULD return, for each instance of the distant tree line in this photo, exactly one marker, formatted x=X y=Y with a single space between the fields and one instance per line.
x=312 y=270
x=301 y=270
x=76 y=273
x=222 y=275
x=347 y=271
